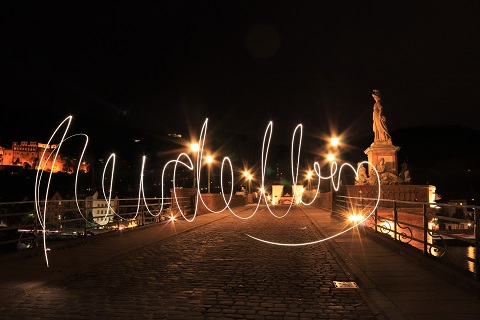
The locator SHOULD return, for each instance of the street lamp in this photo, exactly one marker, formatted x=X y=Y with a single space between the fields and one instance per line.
x=250 y=183
x=246 y=174
x=309 y=176
x=334 y=142
x=194 y=147
x=209 y=160
x=330 y=157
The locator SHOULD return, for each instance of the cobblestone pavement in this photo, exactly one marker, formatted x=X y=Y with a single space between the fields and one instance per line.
x=211 y=272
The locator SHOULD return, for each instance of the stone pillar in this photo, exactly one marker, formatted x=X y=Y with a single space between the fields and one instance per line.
x=385 y=150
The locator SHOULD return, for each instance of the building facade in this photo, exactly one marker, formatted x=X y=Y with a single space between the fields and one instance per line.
x=28 y=155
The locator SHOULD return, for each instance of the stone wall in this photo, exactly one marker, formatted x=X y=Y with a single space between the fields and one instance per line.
x=214 y=201
x=412 y=193
x=418 y=193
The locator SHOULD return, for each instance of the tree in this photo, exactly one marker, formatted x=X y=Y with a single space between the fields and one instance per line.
x=459 y=214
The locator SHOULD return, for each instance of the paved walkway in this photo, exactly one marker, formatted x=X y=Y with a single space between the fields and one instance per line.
x=401 y=286
x=211 y=269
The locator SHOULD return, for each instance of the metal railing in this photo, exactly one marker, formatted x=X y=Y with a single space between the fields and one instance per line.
x=20 y=228
x=449 y=233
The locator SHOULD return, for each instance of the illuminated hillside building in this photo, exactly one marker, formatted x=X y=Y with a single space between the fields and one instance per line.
x=28 y=154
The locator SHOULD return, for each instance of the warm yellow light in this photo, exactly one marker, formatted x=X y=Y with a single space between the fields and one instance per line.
x=309 y=174
x=262 y=189
x=330 y=157
x=334 y=142
x=246 y=174
x=194 y=147
x=250 y=177
x=355 y=217
x=172 y=218
x=209 y=159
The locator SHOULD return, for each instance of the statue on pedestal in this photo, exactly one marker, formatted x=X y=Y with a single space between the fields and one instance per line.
x=379 y=121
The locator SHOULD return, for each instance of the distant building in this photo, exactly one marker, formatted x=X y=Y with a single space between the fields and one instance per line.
x=28 y=154
x=458 y=205
x=57 y=209
x=98 y=209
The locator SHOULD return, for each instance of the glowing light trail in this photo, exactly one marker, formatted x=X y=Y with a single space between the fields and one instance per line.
x=296 y=146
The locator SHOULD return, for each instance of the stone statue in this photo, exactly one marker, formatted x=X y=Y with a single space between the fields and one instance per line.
x=405 y=173
x=362 y=175
x=379 y=121
x=372 y=177
x=381 y=165
x=385 y=176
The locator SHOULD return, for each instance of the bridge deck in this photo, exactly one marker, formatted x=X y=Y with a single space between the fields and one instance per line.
x=210 y=268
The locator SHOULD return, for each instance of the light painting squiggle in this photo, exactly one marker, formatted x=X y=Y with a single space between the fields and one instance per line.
x=188 y=163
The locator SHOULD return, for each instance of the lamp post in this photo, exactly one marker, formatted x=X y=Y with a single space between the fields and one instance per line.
x=209 y=160
x=194 y=148
x=246 y=174
x=309 y=177
x=250 y=177
x=334 y=142
x=331 y=158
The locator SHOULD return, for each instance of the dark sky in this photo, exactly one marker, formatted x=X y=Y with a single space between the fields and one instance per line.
x=168 y=65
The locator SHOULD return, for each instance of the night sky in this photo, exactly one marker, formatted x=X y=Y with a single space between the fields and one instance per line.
x=165 y=66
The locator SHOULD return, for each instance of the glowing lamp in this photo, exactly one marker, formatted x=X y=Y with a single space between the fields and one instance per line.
x=194 y=147
x=334 y=142
x=355 y=217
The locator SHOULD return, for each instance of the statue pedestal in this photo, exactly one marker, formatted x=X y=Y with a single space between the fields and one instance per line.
x=385 y=150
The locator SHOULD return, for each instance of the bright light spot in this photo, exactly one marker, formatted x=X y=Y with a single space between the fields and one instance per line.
x=355 y=217
x=262 y=189
x=309 y=174
x=194 y=147
x=209 y=159
x=172 y=218
x=334 y=142
x=330 y=157
x=246 y=174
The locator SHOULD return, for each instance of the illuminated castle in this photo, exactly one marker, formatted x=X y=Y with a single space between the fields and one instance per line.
x=28 y=154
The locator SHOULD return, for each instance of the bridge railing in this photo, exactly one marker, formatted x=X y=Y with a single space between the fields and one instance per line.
x=20 y=228
x=446 y=232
